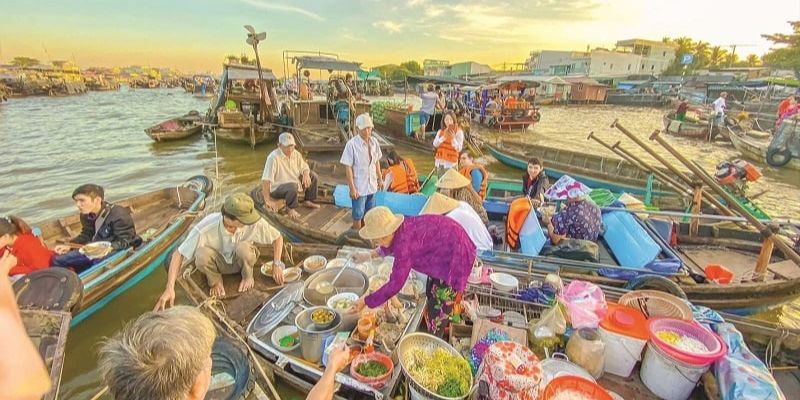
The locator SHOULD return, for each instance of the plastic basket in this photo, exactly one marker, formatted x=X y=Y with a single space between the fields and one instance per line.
x=716 y=347
x=654 y=303
x=574 y=383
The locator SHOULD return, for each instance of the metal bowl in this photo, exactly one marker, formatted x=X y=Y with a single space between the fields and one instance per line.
x=351 y=280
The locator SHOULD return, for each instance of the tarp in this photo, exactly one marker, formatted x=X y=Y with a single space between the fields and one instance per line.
x=324 y=62
x=414 y=79
x=239 y=73
x=364 y=75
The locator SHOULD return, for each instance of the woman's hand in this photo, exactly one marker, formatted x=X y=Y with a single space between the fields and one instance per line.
x=357 y=306
x=7 y=261
x=361 y=257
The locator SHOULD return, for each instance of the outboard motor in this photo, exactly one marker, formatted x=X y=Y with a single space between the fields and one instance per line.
x=736 y=174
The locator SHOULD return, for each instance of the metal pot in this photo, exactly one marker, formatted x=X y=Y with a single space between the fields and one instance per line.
x=351 y=280
x=312 y=337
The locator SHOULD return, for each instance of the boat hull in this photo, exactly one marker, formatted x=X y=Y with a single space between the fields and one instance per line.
x=758 y=151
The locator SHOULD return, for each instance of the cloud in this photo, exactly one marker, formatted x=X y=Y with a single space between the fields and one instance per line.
x=389 y=26
x=414 y=3
x=282 y=7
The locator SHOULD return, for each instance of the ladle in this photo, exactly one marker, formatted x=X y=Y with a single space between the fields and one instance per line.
x=326 y=288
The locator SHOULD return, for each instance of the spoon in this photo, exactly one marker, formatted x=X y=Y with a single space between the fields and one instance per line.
x=327 y=287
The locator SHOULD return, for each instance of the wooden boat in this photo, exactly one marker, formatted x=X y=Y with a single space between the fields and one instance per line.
x=161 y=218
x=593 y=170
x=756 y=150
x=513 y=113
x=234 y=126
x=48 y=332
x=252 y=316
x=176 y=128
x=685 y=128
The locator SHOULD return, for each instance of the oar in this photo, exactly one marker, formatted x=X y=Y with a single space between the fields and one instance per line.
x=426 y=179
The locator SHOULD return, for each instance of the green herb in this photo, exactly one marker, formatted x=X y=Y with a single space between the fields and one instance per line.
x=450 y=388
x=287 y=341
x=372 y=369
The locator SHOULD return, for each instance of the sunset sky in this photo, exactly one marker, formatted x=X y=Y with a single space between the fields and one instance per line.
x=195 y=35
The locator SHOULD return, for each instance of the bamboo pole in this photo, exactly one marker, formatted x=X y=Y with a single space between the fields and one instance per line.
x=655 y=170
x=766 y=231
x=711 y=199
x=694 y=224
x=639 y=163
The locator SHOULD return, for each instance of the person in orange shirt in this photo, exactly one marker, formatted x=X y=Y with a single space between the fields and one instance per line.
x=475 y=172
x=785 y=105
x=401 y=175
x=448 y=143
x=17 y=239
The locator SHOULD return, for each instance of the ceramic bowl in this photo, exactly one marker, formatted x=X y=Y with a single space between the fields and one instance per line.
x=503 y=282
x=314 y=263
x=282 y=331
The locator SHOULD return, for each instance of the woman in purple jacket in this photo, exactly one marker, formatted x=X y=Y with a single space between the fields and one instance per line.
x=433 y=245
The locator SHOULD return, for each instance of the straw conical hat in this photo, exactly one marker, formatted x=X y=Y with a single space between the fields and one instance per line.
x=452 y=179
x=439 y=204
x=380 y=222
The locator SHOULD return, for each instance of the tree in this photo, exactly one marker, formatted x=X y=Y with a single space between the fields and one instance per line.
x=24 y=62
x=788 y=55
x=413 y=67
x=732 y=59
x=399 y=74
x=232 y=59
x=717 y=56
x=701 y=53
x=752 y=60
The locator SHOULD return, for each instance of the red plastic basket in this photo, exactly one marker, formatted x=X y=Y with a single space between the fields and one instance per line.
x=577 y=384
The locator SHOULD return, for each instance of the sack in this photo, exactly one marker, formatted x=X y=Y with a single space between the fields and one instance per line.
x=586 y=304
x=509 y=371
x=574 y=249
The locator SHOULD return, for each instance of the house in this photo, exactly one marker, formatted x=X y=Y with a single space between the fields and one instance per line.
x=586 y=90
x=436 y=67
x=468 y=68
x=551 y=88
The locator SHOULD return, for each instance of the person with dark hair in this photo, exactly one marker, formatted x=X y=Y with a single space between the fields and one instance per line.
x=401 y=175
x=17 y=239
x=224 y=243
x=683 y=107
x=535 y=182
x=448 y=143
x=473 y=171
x=100 y=221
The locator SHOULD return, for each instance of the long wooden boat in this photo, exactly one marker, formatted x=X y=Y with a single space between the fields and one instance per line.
x=48 y=332
x=756 y=150
x=176 y=128
x=685 y=128
x=161 y=218
x=593 y=170
x=253 y=315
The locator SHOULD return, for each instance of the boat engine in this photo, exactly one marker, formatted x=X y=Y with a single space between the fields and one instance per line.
x=736 y=174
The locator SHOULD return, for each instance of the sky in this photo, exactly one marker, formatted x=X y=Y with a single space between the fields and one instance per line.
x=195 y=35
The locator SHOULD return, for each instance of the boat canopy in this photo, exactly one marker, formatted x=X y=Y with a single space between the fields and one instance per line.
x=325 y=62
x=242 y=73
x=414 y=79
x=513 y=85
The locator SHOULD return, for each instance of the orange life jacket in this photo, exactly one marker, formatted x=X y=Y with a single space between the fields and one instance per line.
x=446 y=151
x=404 y=177
x=517 y=213
x=467 y=172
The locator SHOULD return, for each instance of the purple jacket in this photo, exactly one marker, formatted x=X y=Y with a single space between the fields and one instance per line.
x=434 y=245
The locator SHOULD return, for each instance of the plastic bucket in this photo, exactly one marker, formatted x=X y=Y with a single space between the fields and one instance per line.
x=667 y=377
x=718 y=274
x=715 y=346
x=622 y=352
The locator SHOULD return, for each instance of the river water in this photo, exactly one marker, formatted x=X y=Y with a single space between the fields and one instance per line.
x=52 y=145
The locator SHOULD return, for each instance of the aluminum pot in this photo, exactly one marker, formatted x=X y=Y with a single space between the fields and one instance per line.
x=312 y=337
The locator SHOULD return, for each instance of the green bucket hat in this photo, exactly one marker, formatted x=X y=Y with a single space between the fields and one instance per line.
x=241 y=207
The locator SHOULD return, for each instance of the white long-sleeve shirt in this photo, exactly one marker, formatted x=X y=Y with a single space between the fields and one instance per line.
x=458 y=144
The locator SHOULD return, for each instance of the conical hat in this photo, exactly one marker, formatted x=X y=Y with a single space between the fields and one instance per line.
x=566 y=188
x=439 y=204
x=380 y=222
x=452 y=179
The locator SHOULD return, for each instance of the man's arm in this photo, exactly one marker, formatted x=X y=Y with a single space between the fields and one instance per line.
x=87 y=232
x=351 y=183
x=168 y=297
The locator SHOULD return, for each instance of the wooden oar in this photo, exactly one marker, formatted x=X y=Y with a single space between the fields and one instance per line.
x=426 y=179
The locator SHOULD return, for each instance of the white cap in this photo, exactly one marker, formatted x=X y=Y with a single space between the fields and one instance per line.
x=286 y=139
x=364 y=121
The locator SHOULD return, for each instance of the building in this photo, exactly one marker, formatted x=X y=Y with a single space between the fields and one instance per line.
x=550 y=62
x=586 y=90
x=436 y=67
x=468 y=68
x=655 y=56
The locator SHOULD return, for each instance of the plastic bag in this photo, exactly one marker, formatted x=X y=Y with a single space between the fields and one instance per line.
x=545 y=333
x=741 y=375
x=586 y=304
x=553 y=319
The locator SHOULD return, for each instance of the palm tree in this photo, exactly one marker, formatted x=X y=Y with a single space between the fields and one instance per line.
x=752 y=60
x=717 y=56
x=683 y=45
x=24 y=62
x=732 y=59
x=701 y=54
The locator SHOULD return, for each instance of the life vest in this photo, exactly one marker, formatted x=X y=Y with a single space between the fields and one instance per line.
x=404 y=177
x=517 y=213
x=467 y=172
x=446 y=151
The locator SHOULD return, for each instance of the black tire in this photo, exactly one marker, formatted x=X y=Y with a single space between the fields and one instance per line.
x=537 y=116
x=655 y=282
x=785 y=153
x=228 y=358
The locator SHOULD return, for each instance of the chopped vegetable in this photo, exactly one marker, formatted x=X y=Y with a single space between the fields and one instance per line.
x=342 y=304
x=433 y=370
x=372 y=369
x=287 y=341
x=682 y=342
x=450 y=388
x=322 y=316
x=669 y=336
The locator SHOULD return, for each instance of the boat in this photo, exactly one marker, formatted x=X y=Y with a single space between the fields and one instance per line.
x=48 y=330
x=594 y=171
x=324 y=125
x=255 y=315
x=176 y=128
x=514 y=113
x=685 y=128
x=239 y=114
x=161 y=218
x=757 y=149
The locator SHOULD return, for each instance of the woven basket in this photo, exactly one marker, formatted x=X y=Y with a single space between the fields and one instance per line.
x=428 y=343
x=654 y=303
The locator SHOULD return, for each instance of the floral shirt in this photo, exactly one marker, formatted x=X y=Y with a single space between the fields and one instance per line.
x=580 y=220
x=434 y=245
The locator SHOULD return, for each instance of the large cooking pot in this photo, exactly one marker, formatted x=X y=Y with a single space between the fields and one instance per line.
x=351 y=280
x=311 y=336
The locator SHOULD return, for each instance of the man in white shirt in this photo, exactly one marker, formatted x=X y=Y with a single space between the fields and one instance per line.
x=225 y=243
x=284 y=173
x=462 y=213
x=430 y=100
x=361 y=157
x=719 y=108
